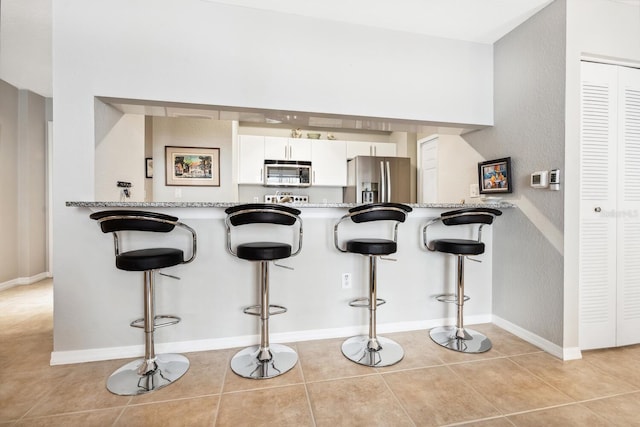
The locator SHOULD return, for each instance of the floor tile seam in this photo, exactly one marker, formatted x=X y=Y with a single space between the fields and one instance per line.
x=224 y=381
x=395 y=397
x=348 y=377
x=296 y=383
x=463 y=423
x=413 y=368
x=546 y=408
x=131 y=404
x=619 y=378
x=594 y=399
x=306 y=393
x=539 y=378
x=470 y=386
x=84 y=411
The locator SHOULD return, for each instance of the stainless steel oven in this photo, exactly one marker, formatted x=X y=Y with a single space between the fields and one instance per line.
x=287 y=173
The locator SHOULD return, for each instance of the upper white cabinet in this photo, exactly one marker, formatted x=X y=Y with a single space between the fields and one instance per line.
x=363 y=148
x=329 y=164
x=279 y=148
x=250 y=159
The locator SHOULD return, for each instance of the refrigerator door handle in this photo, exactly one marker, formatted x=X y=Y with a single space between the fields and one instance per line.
x=383 y=184
x=388 y=184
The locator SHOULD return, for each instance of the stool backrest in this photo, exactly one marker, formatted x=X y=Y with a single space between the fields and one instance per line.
x=470 y=216
x=379 y=212
x=119 y=220
x=264 y=213
x=130 y=220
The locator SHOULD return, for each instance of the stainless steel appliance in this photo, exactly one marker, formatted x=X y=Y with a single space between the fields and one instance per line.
x=286 y=197
x=287 y=173
x=378 y=179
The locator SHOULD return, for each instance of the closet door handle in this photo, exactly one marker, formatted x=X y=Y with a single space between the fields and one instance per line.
x=598 y=209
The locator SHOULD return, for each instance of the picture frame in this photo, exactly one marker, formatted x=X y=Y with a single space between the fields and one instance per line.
x=148 y=167
x=494 y=176
x=192 y=166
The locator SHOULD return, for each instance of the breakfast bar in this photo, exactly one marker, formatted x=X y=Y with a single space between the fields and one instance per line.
x=215 y=287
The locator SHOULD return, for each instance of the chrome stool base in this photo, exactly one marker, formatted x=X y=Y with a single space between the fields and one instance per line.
x=126 y=381
x=357 y=349
x=473 y=341
x=246 y=363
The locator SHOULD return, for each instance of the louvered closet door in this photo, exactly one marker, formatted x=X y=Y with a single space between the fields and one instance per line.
x=598 y=177
x=628 y=218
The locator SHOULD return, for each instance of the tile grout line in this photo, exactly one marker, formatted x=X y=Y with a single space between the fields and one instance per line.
x=395 y=397
x=306 y=390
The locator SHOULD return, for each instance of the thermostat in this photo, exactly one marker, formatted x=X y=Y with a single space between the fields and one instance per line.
x=540 y=179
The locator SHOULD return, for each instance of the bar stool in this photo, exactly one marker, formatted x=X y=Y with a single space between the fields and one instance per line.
x=154 y=371
x=457 y=337
x=372 y=350
x=264 y=360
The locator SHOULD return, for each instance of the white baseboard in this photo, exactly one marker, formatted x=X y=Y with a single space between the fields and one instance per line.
x=564 y=353
x=24 y=281
x=110 y=353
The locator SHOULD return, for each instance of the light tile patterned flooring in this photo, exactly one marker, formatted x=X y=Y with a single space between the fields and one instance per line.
x=514 y=384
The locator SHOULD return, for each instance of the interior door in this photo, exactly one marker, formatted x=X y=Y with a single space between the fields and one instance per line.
x=609 y=206
x=598 y=163
x=628 y=209
x=428 y=171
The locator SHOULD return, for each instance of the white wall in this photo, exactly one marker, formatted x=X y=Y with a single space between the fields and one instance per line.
x=610 y=32
x=120 y=157
x=205 y=53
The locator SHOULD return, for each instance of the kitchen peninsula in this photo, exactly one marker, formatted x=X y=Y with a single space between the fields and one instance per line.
x=216 y=286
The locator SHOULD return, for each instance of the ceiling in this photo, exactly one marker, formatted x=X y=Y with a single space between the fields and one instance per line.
x=483 y=21
x=25 y=45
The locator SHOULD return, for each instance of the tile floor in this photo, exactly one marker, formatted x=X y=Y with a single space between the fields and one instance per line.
x=514 y=384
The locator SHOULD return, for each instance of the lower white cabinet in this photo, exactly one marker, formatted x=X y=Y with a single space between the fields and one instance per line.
x=329 y=163
x=250 y=159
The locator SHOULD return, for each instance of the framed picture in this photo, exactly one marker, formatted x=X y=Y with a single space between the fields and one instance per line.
x=148 y=167
x=494 y=176
x=192 y=166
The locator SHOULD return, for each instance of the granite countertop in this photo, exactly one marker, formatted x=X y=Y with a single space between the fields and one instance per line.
x=85 y=204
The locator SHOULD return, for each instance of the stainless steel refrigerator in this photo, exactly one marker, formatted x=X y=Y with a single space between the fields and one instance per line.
x=378 y=179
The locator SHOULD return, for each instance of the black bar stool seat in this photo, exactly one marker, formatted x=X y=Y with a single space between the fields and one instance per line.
x=458 y=246
x=372 y=246
x=149 y=259
x=263 y=251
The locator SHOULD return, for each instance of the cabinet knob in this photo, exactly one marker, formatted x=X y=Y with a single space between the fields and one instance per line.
x=598 y=209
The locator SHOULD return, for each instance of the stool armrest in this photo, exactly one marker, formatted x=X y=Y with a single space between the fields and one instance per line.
x=194 y=237
x=335 y=232
x=425 y=242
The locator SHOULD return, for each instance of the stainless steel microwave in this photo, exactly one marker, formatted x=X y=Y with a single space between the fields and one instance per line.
x=287 y=173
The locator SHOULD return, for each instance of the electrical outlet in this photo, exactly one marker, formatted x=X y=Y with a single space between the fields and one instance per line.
x=474 y=190
x=346 y=280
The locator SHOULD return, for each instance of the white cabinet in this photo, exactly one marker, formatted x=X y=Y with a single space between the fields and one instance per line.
x=250 y=159
x=279 y=148
x=609 y=309
x=329 y=163
x=363 y=148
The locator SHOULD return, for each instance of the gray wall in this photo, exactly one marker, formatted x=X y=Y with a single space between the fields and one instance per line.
x=529 y=94
x=8 y=177
x=23 y=176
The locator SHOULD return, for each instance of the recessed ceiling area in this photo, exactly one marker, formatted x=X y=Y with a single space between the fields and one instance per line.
x=280 y=118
